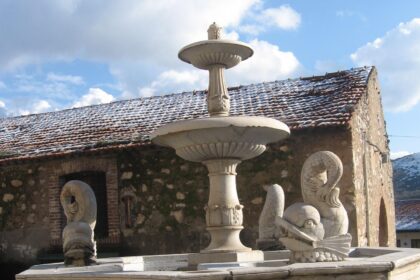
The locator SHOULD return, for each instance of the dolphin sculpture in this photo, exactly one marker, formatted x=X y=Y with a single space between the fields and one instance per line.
x=317 y=229
x=79 y=204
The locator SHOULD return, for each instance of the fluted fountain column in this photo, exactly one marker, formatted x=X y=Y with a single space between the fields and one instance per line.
x=223 y=212
x=218 y=102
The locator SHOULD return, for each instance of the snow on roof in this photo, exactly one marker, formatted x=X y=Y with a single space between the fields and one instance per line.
x=318 y=101
x=407 y=215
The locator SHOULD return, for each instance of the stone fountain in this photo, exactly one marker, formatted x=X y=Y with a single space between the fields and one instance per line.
x=315 y=231
x=220 y=142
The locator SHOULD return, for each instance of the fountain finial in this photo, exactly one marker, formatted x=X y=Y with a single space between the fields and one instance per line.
x=216 y=55
x=214 y=31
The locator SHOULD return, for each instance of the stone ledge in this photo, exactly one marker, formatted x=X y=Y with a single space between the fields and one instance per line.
x=387 y=263
x=251 y=256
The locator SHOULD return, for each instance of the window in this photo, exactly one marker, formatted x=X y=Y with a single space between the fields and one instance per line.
x=128 y=207
x=383 y=225
x=415 y=243
x=101 y=173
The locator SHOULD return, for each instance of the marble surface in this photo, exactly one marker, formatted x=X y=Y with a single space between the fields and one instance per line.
x=363 y=263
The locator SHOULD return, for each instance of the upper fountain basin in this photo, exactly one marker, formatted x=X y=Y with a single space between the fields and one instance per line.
x=210 y=52
x=203 y=139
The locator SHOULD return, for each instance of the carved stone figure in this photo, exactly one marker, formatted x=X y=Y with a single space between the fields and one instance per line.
x=320 y=175
x=268 y=237
x=214 y=32
x=305 y=236
x=315 y=230
x=79 y=203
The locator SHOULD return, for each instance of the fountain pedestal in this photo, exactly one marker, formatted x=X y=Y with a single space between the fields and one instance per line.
x=221 y=143
x=224 y=218
x=223 y=211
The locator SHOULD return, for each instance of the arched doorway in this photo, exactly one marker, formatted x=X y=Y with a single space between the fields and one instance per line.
x=97 y=181
x=383 y=225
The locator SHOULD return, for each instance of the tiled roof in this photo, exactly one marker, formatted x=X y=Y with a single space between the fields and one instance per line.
x=318 y=101
x=407 y=215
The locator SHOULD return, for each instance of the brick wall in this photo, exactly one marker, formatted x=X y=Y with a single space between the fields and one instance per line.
x=55 y=169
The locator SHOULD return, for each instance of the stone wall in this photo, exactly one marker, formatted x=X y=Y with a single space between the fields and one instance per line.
x=171 y=193
x=372 y=172
x=24 y=222
x=156 y=200
x=31 y=218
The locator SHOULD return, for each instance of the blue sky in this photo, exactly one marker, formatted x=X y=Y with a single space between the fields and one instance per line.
x=61 y=54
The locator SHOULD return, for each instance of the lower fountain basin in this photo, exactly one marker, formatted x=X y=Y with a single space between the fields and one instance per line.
x=220 y=137
x=364 y=263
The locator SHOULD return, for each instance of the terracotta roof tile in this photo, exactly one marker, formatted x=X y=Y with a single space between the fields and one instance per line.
x=407 y=215
x=321 y=101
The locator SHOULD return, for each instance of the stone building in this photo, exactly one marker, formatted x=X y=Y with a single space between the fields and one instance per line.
x=150 y=201
x=407 y=214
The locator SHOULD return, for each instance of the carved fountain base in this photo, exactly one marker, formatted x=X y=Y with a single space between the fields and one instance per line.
x=221 y=143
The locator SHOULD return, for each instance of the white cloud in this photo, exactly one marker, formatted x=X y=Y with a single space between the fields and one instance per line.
x=40 y=106
x=267 y=64
x=284 y=17
x=137 y=40
x=174 y=81
x=76 y=80
x=3 y=109
x=144 y=92
x=260 y=20
x=397 y=57
x=110 y=31
x=35 y=85
x=23 y=112
x=252 y=29
x=399 y=154
x=179 y=77
x=94 y=96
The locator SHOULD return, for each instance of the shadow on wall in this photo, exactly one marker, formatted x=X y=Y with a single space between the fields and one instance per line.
x=9 y=270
